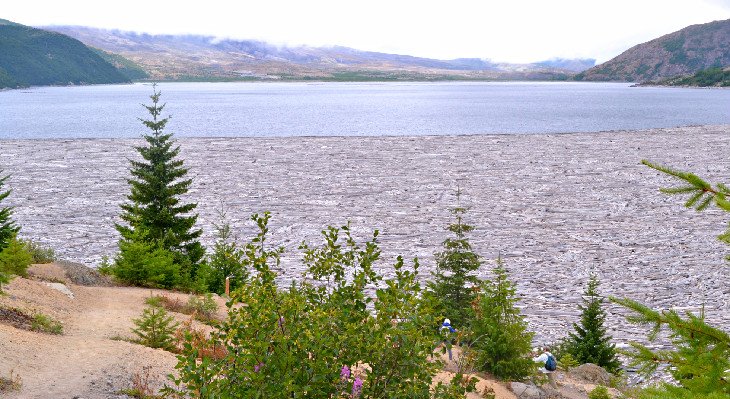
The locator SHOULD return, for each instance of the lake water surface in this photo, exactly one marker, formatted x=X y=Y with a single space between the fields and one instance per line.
x=356 y=109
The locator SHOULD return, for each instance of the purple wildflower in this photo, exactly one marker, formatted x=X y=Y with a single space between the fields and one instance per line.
x=257 y=367
x=357 y=387
x=345 y=373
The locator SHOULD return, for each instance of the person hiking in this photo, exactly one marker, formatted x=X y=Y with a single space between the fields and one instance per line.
x=446 y=332
x=549 y=365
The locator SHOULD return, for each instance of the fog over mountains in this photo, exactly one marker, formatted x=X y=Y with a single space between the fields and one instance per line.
x=208 y=57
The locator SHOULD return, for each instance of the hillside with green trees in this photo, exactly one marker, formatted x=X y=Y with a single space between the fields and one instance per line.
x=684 y=52
x=711 y=77
x=35 y=57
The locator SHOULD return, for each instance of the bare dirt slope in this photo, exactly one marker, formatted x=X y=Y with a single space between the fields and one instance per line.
x=84 y=361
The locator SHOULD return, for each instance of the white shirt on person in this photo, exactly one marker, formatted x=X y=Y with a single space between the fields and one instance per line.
x=543 y=359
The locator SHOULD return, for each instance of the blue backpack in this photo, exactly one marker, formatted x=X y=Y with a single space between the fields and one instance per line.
x=550 y=363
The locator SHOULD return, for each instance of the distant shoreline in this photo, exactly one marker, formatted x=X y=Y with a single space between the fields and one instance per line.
x=385 y=137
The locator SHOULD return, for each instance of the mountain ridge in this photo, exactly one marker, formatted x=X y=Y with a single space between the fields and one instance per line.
x=684 y=52
x=173 y=57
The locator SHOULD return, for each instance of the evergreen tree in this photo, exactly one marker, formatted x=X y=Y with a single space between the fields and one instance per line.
x=590 y=343
x=501 y=341
x=155 y=328
x=225 y=261
x=154 y=202
x=453 y=284
x=700 y=360
x=14 y=260
x=8 y=228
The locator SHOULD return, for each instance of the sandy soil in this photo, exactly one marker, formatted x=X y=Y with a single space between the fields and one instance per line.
x=84 y=362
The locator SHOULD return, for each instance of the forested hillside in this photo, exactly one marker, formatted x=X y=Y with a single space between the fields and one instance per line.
x=684 y=52
x=30 y=57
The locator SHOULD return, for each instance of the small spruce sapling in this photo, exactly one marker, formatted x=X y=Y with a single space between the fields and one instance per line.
x=590 y=343
x=155 y=328
x=501 y=338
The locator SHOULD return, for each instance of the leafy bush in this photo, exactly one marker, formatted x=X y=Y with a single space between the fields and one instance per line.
x=204 y=306
x=145 y=264
x=567 y=362
x=14 y=259
x=599 y=392
x=322 y=335
x=155 y=328
x=45 y=324
x=39 y=253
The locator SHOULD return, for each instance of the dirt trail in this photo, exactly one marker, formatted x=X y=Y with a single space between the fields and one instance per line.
x=84 y=362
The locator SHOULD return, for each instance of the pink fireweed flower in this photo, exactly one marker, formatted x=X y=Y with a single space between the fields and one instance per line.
x=345 y=373
x=257 y=367
x=357 y=387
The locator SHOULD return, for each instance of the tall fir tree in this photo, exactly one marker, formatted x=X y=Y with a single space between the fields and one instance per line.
x=501 y=338
x=454 y=285
x=154 y=214
x=8 y=228
x=700 y=359
x=590 y=343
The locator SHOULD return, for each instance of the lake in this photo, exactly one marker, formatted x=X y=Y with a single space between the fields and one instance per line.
x=356 y=109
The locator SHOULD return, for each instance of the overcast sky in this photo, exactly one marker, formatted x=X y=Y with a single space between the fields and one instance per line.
x=511 y=31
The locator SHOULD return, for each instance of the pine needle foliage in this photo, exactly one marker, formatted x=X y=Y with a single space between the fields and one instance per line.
x=14 y=259
x=154 y=206
x=155 y=328
x=226 y=260
x=702 y=194
x=700 y=359
x=8 y=228
x=590 y=343
x=454 y=286
x=501 y=338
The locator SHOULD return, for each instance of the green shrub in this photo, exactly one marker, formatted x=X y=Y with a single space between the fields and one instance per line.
x=567 y=362
x=500 y=332
x=155 y=328
x=314 y=336
x=599 y=392
x=590 y=341
x=45 y=324
x=39 y=253
x=14 y=259
x=146 y=264
x=225 y=261
x=205 y=306
x=105 y=267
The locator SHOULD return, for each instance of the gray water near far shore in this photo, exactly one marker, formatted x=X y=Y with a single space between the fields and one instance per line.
x=555 y=207
x=357 y=109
